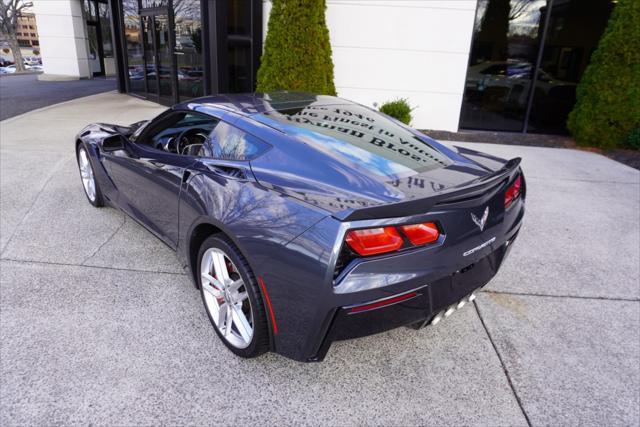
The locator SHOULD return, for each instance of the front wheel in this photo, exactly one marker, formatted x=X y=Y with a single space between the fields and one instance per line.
x=91 y=189
x=232 y=298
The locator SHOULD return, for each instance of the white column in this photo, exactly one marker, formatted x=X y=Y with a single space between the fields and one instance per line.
x=63 y=39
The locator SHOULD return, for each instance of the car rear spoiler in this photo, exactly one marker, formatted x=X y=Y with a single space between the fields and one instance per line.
x=467 y=192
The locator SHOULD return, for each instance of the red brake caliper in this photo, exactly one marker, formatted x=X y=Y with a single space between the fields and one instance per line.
x=220 y=299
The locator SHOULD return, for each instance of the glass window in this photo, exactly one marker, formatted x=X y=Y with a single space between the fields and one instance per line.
x=230 y=143
x=367 y=138
x=164 y=66
x=180 y=133
x=154 y=3
x=94 y=54
x=506 y=44
x=89 y=8
x=188 y=48
x=135 y=59
x=502 y=58
x=239 y=17
x=575 y=27
x=105 y=28
x=240 y=76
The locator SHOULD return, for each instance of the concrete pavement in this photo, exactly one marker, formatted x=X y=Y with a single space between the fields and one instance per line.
x=99 y=324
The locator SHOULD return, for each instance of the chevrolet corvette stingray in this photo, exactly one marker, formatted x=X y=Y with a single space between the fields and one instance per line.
x=306 y=219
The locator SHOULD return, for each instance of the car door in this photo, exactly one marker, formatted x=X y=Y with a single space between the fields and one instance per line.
x=149 y=171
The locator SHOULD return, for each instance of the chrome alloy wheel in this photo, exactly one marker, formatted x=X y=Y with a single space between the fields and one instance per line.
x=226 y=298
x=86 y=173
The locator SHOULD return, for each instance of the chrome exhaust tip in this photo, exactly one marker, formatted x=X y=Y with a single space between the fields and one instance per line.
x=437 y=319
x=450 y=311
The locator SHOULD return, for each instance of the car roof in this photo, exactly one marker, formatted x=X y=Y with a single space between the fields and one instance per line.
x=248 y=104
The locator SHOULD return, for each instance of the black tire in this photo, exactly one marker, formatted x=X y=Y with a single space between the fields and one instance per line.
x=98 y=200
x=259 y=343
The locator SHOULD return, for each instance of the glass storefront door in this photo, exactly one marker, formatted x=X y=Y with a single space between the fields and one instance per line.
x=157 y=71
x=526 y=60
x=96 y=15
x=164 y=49
x=175 y=50
x=164 y=67
x=147 y=72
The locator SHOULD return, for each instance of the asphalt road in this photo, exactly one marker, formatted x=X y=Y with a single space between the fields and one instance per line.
x=22 y=93
x=100 y=325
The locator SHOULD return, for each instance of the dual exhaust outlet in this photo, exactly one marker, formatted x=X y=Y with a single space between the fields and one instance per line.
x=449 y=310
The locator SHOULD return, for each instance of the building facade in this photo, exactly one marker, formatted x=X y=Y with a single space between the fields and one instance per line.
x=27 y=30
x=500 y=65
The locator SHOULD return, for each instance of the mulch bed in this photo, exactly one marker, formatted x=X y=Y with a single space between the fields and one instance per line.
x=628 y=157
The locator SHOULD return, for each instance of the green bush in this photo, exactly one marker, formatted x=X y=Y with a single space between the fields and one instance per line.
x=633 y=139
x=297 y=52
x=399 y=109
x=608 y=97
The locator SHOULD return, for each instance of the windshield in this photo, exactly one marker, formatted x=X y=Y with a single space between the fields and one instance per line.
x=368 y=139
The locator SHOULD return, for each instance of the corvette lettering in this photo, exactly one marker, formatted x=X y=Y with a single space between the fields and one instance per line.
x=477 y=248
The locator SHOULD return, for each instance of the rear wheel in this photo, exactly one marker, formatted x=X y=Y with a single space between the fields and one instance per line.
x=231 y=297
x=91 y=189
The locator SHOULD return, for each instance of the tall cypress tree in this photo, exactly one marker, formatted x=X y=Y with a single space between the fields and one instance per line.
x=607 y=110
x=297 y=52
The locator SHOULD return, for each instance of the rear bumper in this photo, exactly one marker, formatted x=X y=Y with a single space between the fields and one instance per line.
x=311 y=305
x=438 y=295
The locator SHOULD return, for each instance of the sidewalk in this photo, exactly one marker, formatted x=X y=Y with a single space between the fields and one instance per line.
x=100 y=325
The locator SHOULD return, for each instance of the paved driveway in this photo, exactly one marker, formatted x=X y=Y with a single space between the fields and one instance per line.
x=24 y=92
x=99 y=324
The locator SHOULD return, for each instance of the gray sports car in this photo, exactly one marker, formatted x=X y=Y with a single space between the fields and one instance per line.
x=307 y=219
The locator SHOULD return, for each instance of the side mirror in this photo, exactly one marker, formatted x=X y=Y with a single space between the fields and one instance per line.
x=113 y=143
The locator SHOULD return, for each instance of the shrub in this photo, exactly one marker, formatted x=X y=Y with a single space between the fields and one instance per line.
x=398 y=109
x=36 y=51
x=297 y=52
x=608 y=96
x=633 y=139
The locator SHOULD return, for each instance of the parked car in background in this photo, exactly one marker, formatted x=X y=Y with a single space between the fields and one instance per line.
x=5 y=62
x=10 y=69
x=32 y=60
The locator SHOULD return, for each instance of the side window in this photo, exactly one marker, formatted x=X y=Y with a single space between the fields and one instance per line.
x=180 y=133
x=230 y=143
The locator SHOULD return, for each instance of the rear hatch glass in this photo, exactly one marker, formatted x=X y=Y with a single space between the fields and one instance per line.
x=368 y=139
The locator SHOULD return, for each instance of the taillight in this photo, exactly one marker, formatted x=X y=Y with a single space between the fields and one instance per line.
x=380 y=240
x=373 y=241
x=513 y=192
x=420 y=234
